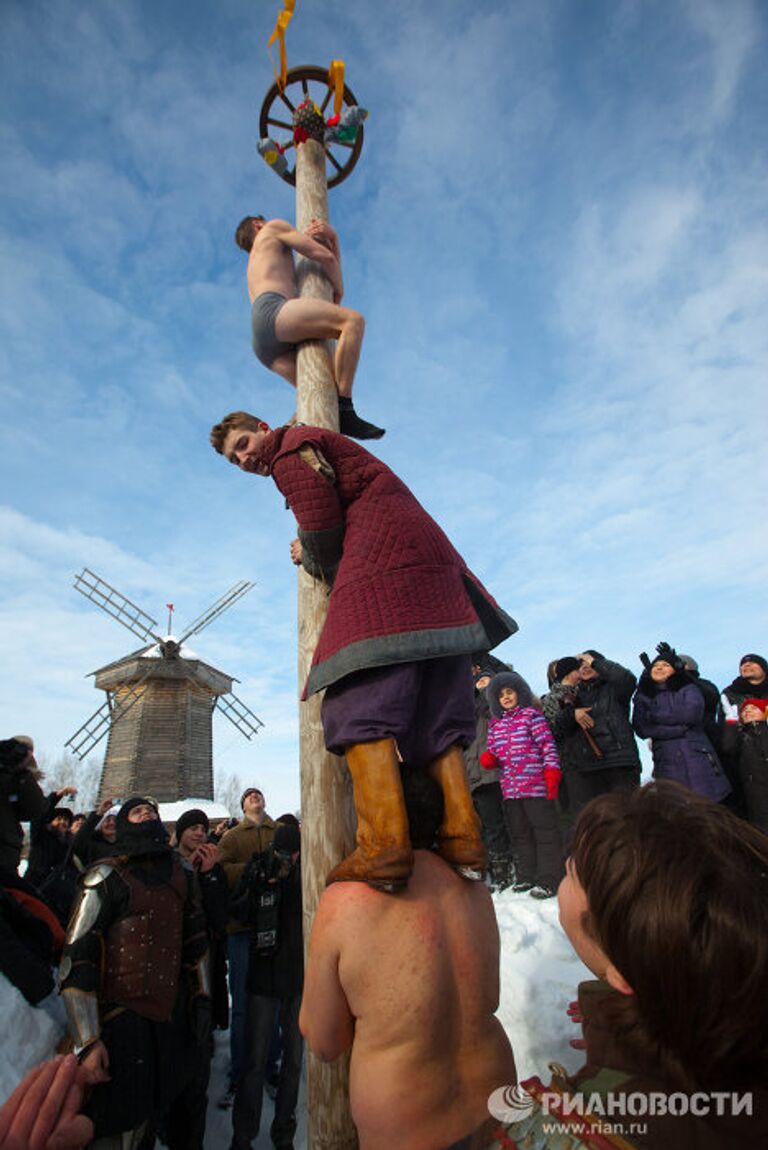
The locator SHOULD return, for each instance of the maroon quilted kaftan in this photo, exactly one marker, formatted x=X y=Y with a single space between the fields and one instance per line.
x=400 y=590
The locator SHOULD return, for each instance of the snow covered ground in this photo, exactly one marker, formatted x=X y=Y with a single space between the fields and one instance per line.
x=29 y=1036
x=539 y=975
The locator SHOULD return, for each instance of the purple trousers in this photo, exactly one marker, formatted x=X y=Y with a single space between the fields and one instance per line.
x=426 y=707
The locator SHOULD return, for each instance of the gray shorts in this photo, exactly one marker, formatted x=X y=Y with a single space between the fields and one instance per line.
x=266 y=346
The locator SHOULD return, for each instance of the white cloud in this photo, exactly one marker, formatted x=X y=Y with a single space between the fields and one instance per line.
x=732 y=32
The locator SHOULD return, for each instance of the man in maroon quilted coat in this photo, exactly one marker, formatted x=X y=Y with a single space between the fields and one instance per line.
x=404 y=616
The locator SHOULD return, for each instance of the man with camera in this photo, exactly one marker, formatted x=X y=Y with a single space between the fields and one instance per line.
x=269 y=902
x=592 y=727
x=185 y=1121
x=250 y=837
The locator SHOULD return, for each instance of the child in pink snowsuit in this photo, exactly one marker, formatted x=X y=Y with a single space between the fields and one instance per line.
x=522 y=746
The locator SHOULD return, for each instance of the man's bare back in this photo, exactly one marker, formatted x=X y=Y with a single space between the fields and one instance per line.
x=281 y=318
x=414 y=981
x=270 y=262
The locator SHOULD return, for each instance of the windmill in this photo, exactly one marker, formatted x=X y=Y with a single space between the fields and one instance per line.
x=160 y=704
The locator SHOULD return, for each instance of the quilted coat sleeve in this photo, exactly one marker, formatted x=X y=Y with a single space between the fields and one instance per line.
x=313 y=499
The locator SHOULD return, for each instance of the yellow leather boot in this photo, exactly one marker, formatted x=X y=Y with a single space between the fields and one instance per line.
x=459 y=841
x=383 y=857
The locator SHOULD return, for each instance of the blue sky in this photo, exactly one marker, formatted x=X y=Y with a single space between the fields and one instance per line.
x=557 y=232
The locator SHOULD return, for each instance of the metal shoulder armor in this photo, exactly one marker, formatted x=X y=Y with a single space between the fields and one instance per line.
x=97 y=874
x=89 y=905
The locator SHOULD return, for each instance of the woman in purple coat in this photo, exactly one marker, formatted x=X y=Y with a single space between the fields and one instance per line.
x=668 y=709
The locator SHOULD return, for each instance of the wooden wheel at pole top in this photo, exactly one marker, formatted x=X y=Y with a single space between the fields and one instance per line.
x=278 y=111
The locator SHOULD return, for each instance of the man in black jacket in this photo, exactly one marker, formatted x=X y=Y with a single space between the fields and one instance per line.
x=20 y=798
x=272 y=893
x=51 y=868
x=750 y=683
x=185 y=1122
x=599 y=752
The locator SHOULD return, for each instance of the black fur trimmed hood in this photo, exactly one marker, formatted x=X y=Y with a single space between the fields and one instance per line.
x=507 y=679
x=676 y=682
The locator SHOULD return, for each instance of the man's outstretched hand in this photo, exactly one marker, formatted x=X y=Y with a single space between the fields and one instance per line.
x=43 y=1111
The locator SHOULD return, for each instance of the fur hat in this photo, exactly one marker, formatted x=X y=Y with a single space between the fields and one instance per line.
x=507 y=679
x=189 y=819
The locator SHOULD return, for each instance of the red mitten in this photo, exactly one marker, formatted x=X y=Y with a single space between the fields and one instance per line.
x=552 y=777
x=488 y=760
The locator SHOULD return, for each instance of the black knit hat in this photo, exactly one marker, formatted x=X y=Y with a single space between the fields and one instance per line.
x=287 y=838
x=189 y=819
x=60 y=812
x=761 y=662
x=249 y=791
x=564 y=667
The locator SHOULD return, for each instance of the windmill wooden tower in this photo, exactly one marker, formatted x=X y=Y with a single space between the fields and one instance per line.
x=159 y=706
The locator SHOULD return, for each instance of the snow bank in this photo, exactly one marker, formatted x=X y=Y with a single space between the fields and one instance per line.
x=171 y=812
x=29 y=1036
x=539 y=976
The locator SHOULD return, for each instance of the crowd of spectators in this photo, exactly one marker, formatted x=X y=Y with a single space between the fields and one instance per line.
x=136 y=937
x=152 y=937
x=536 y=762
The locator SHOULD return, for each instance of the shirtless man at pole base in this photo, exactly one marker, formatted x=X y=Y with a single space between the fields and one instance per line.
x=411 y=984
x=281 y=318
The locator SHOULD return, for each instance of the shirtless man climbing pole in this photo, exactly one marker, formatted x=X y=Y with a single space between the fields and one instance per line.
x=411 y=984
x=281 y=318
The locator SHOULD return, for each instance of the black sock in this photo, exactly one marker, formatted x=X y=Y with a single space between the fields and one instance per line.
x=352 y=425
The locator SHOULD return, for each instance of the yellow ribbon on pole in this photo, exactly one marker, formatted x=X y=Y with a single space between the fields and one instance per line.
x=336 y=81
x=283 y=20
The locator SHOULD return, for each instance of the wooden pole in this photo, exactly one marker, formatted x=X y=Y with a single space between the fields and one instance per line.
x=327 y=827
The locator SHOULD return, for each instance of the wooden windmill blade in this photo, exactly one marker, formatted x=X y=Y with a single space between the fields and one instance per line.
x=94 y=729
x=239 y=714
x=117 y=605
x=218 y=608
